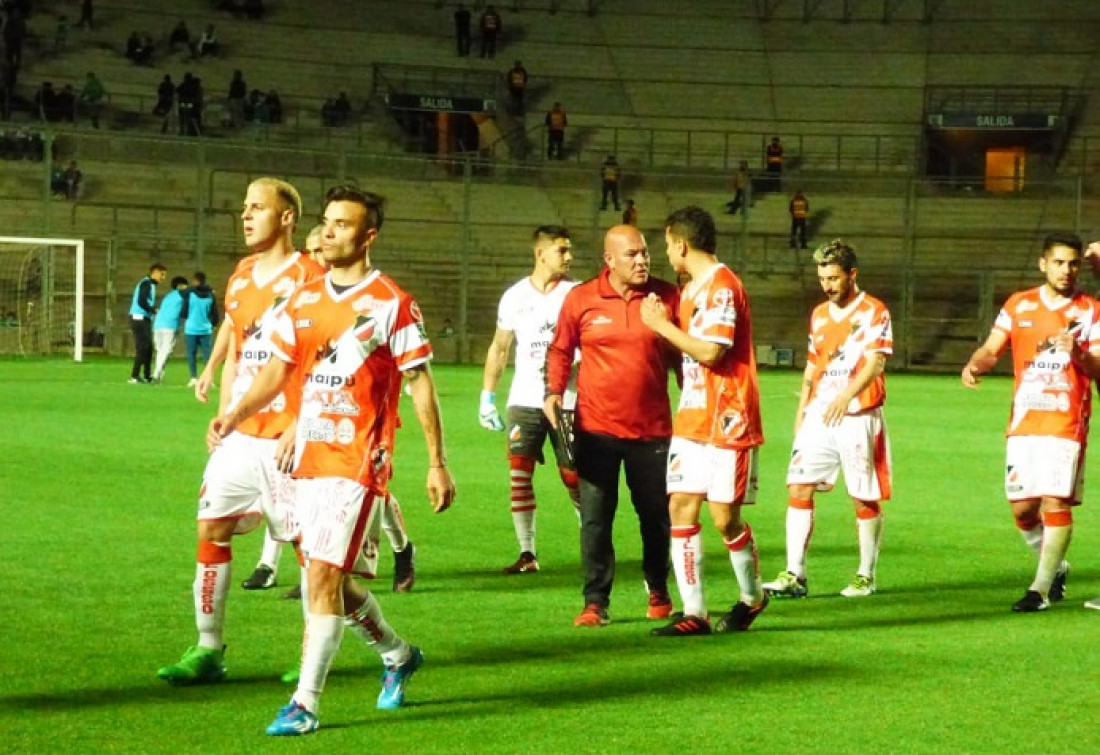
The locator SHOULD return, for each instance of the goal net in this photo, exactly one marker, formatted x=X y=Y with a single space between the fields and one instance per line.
x=41 y=296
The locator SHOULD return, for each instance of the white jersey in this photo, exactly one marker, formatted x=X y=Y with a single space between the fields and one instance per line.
x=532 y=316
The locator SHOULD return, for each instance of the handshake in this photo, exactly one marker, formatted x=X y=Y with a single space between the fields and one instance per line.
x=488 y=415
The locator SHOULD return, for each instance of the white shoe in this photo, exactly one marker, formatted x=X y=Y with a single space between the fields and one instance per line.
x=192 y=382
x=861 y=587
x=1094 y=604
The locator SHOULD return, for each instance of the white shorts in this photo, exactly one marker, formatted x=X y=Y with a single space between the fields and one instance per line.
x=339 y=521
x=241 y=482
x=721 y=475
x=1042 y=465
x=858 y=447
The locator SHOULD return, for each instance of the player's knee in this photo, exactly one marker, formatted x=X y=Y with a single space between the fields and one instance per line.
x=867 y=509
x=1027 y=521
x=216 y=530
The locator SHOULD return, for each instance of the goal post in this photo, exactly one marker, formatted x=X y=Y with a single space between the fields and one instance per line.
x=41 y=296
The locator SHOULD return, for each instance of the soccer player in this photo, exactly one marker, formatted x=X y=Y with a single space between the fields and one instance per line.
x=1054 y=333
x=839 y=424
x=623 y=418
x=716 y=431
x=527 y=316
x=243 y=482
x=345 y=339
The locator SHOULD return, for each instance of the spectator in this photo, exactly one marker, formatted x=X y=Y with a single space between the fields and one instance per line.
x=180 y=36
x=609 y=182
x=133 y=46
x=87 y=10
x=742 y=182
x=207 y=44
x=74 y=181
x=341 y=110
x=258 y=111
x=448 y=329
x=145 y=52
x=15 y=33
x=274 y=107
x=630 y=214
x=555 y=132
x=799 y=208
x=45 y=102
x=238 y=90
x=328 y=112
x=517 y=87
x=462 y=29
x=91 y=97
x=188 y=94
x=490 y=28
x=166 y=98
x=57 y=182
x=61 y=33
x=773 y=162
x=66 y=104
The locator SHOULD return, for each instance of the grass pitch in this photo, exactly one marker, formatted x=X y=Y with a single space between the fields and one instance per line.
x=98 y=481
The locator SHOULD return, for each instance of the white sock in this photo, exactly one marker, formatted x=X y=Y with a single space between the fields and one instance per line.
x=369 y=625
x=210 y=590
x=393 y=524
x=304 y=587
x=870 y=538
x=1033 y=537
x=322 y=640
x=687 y=562
x=269 y=556
x=800 y=525
x=746 y=566
x=523 y=519
x=1051 y=555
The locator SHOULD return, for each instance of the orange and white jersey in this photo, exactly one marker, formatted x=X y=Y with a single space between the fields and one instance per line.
x=841 y=342
x=349 y=348
x=1052 y=394
x=719 y=405
x=252 y=304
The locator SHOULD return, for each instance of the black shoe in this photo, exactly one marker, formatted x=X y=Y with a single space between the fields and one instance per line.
x=740 y=617
x=294 y=593
x=683 y=627
x=1032 y=602
x=1058 y=586
x=404 y=569
x=263 y=578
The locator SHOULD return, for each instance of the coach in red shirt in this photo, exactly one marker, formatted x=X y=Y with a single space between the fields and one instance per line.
x=623 y=416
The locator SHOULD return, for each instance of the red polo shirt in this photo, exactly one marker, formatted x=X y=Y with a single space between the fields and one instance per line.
x=622 y=379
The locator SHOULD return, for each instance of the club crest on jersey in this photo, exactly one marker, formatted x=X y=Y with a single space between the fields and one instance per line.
x=730 y=422
x=414 y=309
x=723 y=297
x=364 y=327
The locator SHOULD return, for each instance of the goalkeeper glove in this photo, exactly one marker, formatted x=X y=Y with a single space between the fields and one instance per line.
x=488 y=415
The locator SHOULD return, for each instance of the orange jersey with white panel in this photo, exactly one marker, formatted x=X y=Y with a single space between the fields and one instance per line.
x=719 y=405
x=1053 y=394
x=842 y=339
x=253 y=303
x=349 y=347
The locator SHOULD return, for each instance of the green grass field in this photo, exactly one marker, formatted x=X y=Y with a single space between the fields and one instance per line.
x=98 y=481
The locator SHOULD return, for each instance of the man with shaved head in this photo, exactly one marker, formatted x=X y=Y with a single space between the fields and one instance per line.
x=623 y=418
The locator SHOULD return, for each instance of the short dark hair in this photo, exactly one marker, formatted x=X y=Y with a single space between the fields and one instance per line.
x=1063 y=238
x=837 y=252
x=373 y=203
x=200 y=276
x=157 y=266
x=695 y=226
x=550 y=232
x=178 y=281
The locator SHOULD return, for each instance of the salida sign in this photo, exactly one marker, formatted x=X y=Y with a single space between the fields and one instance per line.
x=440 y=104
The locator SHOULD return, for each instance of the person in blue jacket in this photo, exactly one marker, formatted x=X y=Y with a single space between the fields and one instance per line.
x=198 y=328
x=143 y=307
x=166 y=324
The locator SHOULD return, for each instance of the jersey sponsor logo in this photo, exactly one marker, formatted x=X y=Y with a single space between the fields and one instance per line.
x=237 y=285
x=601 y=320
x=332 y=381
x=304 y=323
x=319 y=430
x=255 y=355
x=365 y=304
x=336 y=402
x=308 y=297
x=345 y=431
x=1026 y=306
x=284 y=287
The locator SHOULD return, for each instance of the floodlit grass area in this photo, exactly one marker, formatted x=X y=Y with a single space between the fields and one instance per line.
x=98 y=481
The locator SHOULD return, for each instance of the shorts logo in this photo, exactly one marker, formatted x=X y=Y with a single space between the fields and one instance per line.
x=515 y=433
x=1011 y=475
